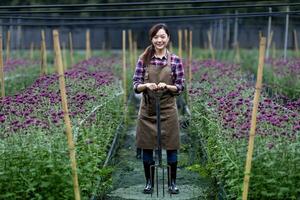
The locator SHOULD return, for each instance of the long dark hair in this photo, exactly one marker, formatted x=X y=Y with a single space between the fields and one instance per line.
x=150 y=50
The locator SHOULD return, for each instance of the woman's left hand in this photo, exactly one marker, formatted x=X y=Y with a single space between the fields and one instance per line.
x=161 y=86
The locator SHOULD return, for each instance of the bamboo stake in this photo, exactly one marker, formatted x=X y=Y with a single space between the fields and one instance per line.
x=124 y=74
x=8 y=46
x=71 y=49
x=64 y=55
x=66 y=113
x=262 y=48
x=186 y=42
x=2 y=68
x=130 y=48
x=237 y=55
x=274 y=50
x=31 y=50
x=190 y=57
x=260 y=35
x=103 y=45
x=134 y=51
x=269 y=33
x=212 y=52
x=124 y=66
x=171 y=46
x=296 y=42
x=286 y=34
x=236 y=28
x=180 y=43
x=43 y=54
x=88 y=45
x=269 y=43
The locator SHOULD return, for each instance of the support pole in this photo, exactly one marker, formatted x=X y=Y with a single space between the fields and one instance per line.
x=66 y=114
x=124 y=74
x=2 y=67
x=130 y=48
x=43 y=54
x=64 y=56
x=7 y=46
x=190 y=57
x=71 y=49
x=180 y=43
x=88 y=45
x=31 y=50
x=227 y=33
x=212 y=52
x=296 y=42
x=269 y=33
x=286 y=33
x=262 y=48
x=236 y=28
x=186 y=43
x=124 y=66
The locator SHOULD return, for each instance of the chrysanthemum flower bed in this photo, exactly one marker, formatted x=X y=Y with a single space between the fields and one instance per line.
x=221 y=106
x=34 y=158
x=281 y=77
x=19 y=74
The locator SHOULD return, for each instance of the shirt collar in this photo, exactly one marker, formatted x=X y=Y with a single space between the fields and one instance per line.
x=164 y=57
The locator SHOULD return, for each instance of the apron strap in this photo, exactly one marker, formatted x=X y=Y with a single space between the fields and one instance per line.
x=169 y=59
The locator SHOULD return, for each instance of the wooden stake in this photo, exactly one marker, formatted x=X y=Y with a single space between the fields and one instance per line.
x=66 y=113
x=180 y=43
x=186 y=42
x=2 y=68
x=296 y=42
x=286 y=34
x=71 y=49
x=64 y=55
x=130 y=48
x=269 y=43
x=212 y=52
x=43 y=54
x=190 y=57
x=124 y=67
x=88 y=45
x=31 y=50
x=124 y=75
x=274 y=50
x=171 y=46
x=262 y=48
x=269 y=33
x=260 y=35
x=237 y=55
x=8 y=46
x=134 y=52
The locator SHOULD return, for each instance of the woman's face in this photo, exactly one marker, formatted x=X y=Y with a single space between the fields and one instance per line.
x=160 y=40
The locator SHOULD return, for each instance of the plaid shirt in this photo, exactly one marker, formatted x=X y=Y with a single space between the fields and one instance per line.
x=176 y=66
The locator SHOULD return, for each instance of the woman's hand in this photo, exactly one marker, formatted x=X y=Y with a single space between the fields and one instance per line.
x=151 y=86
x=161 y=86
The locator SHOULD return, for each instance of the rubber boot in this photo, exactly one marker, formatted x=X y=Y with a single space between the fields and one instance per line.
x=138 y=153
x=149 y=180
x=172 y=188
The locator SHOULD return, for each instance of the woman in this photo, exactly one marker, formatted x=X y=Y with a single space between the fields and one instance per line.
x=158 y=70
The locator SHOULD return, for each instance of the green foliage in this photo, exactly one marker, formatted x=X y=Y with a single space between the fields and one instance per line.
x=275 y=171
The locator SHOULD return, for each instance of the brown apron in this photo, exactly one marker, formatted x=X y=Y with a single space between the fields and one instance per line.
x=146 y=133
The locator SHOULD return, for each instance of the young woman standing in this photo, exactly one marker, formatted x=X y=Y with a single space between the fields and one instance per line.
x=158 y=70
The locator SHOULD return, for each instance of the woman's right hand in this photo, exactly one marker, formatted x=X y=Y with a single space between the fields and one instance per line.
x=151 y=86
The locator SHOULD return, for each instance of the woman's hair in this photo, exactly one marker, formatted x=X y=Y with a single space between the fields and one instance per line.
x=150 y=50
